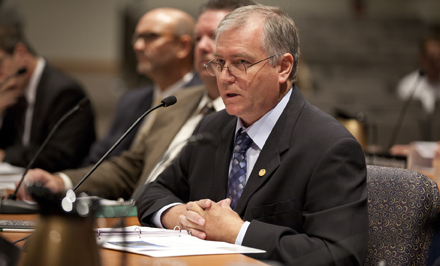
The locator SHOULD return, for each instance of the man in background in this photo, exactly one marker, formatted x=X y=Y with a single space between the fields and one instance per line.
x=423 y=85
x=32 y=102
x=163 y=46
x=284 y=176
x=120 y=176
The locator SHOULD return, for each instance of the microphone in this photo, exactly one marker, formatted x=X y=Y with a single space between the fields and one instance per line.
x=203 y=138
x=168 y=101
x=11 y=205
x=405 y=106
x=19 y=72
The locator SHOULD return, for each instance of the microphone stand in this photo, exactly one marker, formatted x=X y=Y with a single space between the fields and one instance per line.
x=11 y=205
x=405 y=106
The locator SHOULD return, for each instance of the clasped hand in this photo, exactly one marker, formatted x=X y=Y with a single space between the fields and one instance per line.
x=209 y=220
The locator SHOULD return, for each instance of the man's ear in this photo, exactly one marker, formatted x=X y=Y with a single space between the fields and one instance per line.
x=285 y=67
x=185 y=46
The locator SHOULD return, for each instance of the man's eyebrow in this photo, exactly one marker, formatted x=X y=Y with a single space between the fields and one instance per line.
x=234 y=55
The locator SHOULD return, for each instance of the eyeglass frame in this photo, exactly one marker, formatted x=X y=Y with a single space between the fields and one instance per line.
x=223 y=67
x=149 y=37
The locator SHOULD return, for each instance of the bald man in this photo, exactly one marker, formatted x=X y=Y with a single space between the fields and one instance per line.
x=163 y=46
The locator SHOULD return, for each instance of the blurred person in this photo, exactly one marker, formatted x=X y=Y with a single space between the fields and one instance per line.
x=284 y=177
x=163 y=46
x=422 y=85
x=32 y=103
x=120 y=176
x=428 y=91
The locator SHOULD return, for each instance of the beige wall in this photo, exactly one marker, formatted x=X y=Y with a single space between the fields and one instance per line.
x=90 y=30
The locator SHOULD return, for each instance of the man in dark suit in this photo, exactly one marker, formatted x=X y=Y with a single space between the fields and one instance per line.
x=285 y=177
x=164 y=49
x=32 y=103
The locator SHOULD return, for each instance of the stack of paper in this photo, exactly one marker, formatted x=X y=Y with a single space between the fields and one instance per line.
x=157 y=242
x=9 y=174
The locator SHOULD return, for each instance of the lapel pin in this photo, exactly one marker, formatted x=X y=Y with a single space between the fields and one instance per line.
x=262 y=172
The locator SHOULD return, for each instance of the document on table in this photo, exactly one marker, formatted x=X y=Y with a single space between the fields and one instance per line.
x=10 y=174
x=157 y=242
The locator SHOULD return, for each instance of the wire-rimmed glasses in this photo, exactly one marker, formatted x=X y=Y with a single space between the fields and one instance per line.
x=214 y=68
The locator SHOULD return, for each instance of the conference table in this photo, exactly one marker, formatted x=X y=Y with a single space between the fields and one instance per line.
x=112 y=257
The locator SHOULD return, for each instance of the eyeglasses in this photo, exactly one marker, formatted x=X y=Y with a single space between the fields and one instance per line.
x=148 y=37
x=214 y=68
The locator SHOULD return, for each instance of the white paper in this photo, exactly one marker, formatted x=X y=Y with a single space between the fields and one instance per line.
x=426 y=149
x=7 y=169
x=157 y=242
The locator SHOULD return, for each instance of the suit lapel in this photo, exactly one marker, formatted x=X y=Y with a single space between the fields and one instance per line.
x=270 y=156
x=166 y=128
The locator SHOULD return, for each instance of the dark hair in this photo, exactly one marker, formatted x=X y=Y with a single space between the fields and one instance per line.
x=224 y=4
x=9 y=37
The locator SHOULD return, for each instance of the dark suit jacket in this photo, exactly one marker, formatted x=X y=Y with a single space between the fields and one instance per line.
x=131 y=106
x=309 y=208
x=56 y=95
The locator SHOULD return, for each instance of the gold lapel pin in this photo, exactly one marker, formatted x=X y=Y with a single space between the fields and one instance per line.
x=262 y=172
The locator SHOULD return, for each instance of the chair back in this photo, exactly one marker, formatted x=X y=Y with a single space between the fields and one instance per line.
x=402 y=207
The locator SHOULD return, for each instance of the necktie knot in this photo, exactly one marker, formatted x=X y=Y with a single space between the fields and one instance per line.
x=242 y=142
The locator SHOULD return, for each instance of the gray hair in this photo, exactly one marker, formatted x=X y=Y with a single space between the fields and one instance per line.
x=280 y=35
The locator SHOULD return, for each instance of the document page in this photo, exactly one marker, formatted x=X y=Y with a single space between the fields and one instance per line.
x=156 y=242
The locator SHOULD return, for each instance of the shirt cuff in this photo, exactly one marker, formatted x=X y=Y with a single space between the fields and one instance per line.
x=66 y=180
x=240 y=237
x=156 y=219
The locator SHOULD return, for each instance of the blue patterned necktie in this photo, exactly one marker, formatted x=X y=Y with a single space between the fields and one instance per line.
x=237 y=177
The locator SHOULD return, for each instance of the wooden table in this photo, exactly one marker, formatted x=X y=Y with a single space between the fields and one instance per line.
x=112 y=257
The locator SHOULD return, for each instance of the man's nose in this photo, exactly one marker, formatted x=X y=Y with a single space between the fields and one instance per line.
x=206 y=44
x=225 y=76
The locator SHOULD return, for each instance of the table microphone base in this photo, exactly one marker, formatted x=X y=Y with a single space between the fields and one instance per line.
x=9 y=206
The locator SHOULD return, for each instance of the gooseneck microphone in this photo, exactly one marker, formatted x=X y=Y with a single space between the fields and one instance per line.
x=19 y=72
x=168 y=101
x=11 y=205
x=405 y=106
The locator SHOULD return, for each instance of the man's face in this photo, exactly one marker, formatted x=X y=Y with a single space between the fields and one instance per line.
x=431 y=60
x=154 y=43
x=206 y=24
x=254 y=94
x=10 y=64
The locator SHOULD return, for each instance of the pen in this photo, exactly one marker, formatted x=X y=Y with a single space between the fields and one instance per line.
x=16 y=230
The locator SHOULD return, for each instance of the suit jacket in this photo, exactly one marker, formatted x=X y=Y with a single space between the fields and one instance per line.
x=131 y=106
x=121 y=175
x=56 y=95
x=310 y=205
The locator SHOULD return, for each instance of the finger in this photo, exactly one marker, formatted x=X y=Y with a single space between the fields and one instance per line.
x=205 y=203
x=226 y=203
x=196 y=233
x=195 y=218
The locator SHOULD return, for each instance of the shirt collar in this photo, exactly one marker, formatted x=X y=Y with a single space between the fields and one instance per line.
x=31 y=88
x=174 y=87
x=261 y=129
x=217 y=103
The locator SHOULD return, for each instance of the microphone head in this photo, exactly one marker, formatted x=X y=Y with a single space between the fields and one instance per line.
x=168 y=101
x=21 y=71
x=202 y=139
x=84 y=101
